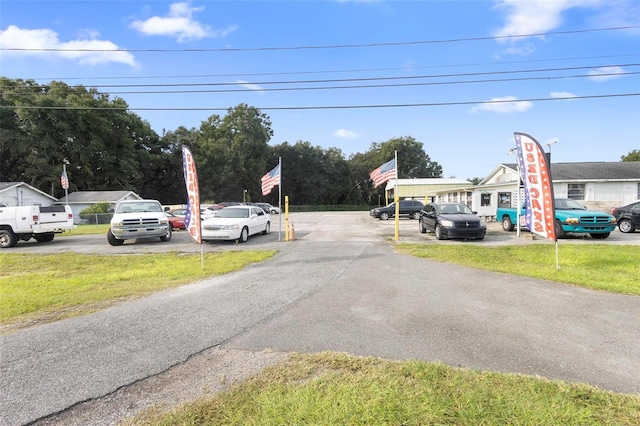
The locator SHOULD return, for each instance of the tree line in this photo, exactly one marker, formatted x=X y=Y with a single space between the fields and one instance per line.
x=109 y=147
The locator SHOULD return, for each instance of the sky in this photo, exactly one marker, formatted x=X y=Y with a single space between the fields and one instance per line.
x=458 y=76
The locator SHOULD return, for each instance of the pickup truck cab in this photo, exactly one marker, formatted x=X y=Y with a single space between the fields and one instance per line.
x=571 y=217
x=134 y=219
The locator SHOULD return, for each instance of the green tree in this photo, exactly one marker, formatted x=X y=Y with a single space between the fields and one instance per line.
x=631 y=156
x=231 y=153
x=107 y=146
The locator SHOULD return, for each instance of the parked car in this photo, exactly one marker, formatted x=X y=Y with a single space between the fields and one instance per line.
x=628 y=217
x=175 y=222
x=236 y=223
x=410 y=208
x=268 y=208
x=451 y=220
x=179 y=212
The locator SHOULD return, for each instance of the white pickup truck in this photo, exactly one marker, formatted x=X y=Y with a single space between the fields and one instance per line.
x=37 y=222
x=134 y=219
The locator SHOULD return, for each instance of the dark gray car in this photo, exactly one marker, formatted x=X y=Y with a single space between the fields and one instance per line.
x=410 y=208
x=451 y=220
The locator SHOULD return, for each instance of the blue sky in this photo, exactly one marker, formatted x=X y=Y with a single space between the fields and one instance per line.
x=456 y=81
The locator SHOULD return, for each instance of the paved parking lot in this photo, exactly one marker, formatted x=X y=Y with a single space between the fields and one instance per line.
x=312 y=226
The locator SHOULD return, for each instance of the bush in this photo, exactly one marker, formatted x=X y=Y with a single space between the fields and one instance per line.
x=97 y=213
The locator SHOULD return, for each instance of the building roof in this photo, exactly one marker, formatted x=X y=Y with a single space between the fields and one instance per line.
x=427 y=181
x=84 y=197
x=619 y=170
x=5 y=186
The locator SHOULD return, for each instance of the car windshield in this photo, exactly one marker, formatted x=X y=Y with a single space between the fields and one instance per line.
x=568 y=204
x=454 y=209
x=139 y=207
x=235 y=213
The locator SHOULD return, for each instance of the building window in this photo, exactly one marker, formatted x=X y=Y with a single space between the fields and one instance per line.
x=504 y=199
x=485 y=200
x=576 y=191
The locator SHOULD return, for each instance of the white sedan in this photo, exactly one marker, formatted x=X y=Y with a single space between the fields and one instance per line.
x=236 y=223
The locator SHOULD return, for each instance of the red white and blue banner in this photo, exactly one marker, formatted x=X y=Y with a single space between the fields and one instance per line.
x=192 y=217
x=385 y=172
x=538 y=187
x=270 y=180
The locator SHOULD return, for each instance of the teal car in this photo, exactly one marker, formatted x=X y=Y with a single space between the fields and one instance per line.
x=571 y=217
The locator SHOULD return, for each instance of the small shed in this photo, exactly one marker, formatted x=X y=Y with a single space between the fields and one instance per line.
x=13 y=194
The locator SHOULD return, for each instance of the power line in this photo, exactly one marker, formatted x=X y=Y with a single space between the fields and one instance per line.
x=326 y=107
x=338 y=71
x=336 y=46
x=414 y=77
x=360 y=86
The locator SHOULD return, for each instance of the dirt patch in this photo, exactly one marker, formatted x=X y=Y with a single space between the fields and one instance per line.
x=203 y=374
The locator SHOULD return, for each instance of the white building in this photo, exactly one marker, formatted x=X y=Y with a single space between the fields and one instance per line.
x=597 y=185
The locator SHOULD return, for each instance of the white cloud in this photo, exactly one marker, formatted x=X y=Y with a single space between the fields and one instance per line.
x=45 y=43
x=346 y=134
x=504 y=105
x=250 y=86
x=605 y=73
x=179 y=23
x=563 y=95
x=536 y=16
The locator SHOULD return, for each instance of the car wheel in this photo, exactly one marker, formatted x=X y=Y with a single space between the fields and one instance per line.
x=267 y=228
x=113 y=240
x=506 y=224
x=626 y=226
x=421 y=227
x=416 y=215
x=600 y=236
x=167 y=236
x=559 y=231
x=384 y=216
x=438 y=232
x=7 y=238
x=244 y=235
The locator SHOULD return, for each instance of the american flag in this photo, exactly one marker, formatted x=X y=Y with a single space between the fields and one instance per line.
x=64 y=180
x=270 y=180
x=383 y=173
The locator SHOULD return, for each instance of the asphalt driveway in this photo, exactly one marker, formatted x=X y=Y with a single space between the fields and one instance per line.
x=339 y=286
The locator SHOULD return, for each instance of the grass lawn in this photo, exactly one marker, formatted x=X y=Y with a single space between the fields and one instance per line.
x=612 y=268
x=338 y=389
x=51 y=287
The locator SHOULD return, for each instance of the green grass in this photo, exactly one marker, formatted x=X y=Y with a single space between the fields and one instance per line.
x=613 y=268
x=69 y=284
x=337 y=389
x=86 y=230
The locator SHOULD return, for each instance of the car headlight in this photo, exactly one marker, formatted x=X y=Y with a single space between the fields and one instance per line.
x=116 y=223
x=446 y=222
x=230 y=227
x=164 y=221
x=572 y=220
x=614 y=220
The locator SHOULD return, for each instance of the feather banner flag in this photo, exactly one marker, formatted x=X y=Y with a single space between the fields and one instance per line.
x=538 y=187
x=385 y=172
x=192 y=217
